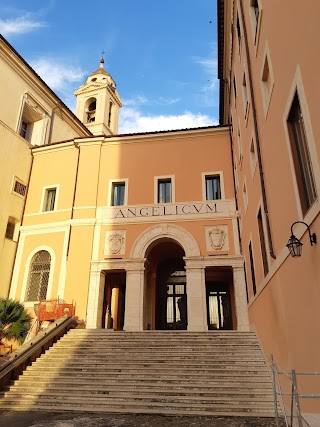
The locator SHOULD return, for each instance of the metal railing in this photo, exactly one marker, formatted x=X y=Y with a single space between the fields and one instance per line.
x=292 y=414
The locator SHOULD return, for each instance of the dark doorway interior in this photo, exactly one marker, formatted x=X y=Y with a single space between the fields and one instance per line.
x=219 y=306
x=114 y=300
x=171 y=295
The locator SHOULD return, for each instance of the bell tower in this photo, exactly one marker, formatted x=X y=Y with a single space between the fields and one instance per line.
x=98 y=103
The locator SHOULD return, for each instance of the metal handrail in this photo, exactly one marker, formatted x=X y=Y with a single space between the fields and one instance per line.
x=295 y=412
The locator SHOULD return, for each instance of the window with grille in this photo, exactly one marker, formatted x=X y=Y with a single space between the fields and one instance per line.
x=19 y=188
x=39 y=276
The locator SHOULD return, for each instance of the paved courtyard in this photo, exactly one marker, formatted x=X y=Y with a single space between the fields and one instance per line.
x=42 y=419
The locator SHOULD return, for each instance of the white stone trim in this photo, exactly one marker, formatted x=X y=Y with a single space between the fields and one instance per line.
x=297 y=86
x=44 y=190
x=27 y=270
x=168 y=231
x=266 y=92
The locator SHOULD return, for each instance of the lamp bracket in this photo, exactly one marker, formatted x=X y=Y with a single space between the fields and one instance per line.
x=312 y=237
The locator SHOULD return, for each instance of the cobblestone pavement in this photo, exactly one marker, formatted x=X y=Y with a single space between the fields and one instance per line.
x=42 y=419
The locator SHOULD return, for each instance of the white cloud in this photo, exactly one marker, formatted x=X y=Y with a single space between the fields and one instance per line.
x=210 y=71
x=20 y=25
x=133 y=121
x=56 y=74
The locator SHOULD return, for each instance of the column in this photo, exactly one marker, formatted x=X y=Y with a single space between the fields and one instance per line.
x=239 y=283
x=95 y=299
x=135 y=284
x=196 y=297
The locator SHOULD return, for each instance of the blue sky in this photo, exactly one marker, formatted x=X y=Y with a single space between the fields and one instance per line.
x=161 y=53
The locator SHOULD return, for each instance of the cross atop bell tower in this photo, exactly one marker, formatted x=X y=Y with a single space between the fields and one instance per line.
x=98 y=102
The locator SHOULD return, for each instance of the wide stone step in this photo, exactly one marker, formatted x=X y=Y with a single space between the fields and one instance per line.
x=243 y=382
x=214 y=410
x=165 y=388
x=200 y=403
x=145 y=368
x=173 y=373
x=106 y=396
x=173 y=363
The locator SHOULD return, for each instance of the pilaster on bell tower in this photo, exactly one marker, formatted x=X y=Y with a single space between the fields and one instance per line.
x=98 y=103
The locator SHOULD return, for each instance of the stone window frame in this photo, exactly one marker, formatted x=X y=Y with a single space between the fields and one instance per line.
x=17 y=181
x=113 y=181
x=297 y=87
x=156 y=180
x=266 y=89
x=32 y=112
x=255 y=26
x=44 y=197
x=204 y=175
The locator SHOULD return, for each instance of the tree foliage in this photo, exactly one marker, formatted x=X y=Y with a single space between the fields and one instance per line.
x=15 y=322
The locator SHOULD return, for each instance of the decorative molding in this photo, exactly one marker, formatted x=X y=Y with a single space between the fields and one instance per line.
x=217 y=238
x=115 y=242
x=173 y=232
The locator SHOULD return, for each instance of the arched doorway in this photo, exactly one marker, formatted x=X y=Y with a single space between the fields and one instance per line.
x=166 y=291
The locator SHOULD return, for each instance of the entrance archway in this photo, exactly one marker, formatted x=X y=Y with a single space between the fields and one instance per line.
x=166 y=287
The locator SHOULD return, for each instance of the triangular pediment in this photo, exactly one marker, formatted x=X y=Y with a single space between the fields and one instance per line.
x=90 y=87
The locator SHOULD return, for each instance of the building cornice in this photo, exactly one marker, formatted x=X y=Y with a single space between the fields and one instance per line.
x=21 y=67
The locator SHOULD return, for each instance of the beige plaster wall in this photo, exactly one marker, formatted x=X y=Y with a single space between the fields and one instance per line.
x=15 y=162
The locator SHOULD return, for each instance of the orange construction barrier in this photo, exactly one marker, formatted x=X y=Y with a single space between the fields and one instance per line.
x=54 y=309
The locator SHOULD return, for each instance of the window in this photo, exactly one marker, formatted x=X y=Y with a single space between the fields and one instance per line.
x=39 y=276
x=33 y=121
x=24 y=129
x=245 y=95
x=255 y=13
x=50 y=199
x=267 y=80
x=245 y=278
x=239 y=145
x=245 y=197
x=213 y=187
x=238 y=31
x=164 y=190
x=117 y=194
x=301 y=156
x=253 y=157
x=10 y=229
x=235 y=89
x=19 y=188
x=253 y=276
x=262 y=244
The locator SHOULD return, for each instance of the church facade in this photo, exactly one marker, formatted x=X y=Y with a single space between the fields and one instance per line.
x=140 y=230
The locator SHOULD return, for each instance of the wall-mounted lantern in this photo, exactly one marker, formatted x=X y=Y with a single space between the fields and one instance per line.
x=294 y=245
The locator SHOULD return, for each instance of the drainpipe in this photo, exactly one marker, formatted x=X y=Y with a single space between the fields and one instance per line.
x=255 y=121
x=74 y=196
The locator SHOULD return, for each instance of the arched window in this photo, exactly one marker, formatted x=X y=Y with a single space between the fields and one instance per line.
x=39 y=276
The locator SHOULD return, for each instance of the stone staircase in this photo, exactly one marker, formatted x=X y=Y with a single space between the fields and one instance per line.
x=152 y=372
